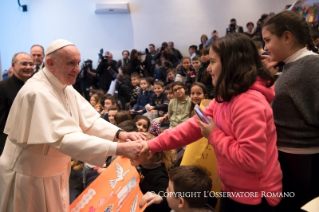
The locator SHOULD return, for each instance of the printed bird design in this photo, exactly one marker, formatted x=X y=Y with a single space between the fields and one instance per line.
x=120 y=175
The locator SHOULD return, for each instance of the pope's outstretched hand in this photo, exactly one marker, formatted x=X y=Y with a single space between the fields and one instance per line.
x=131 y=136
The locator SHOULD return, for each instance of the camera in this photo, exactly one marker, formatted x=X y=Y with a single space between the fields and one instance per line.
x=232 y=28
x=101 y=57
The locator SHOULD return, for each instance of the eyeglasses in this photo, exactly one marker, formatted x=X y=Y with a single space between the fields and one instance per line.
x=176 y=89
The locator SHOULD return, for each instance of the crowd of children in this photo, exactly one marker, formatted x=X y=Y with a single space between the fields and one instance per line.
x=248 y=121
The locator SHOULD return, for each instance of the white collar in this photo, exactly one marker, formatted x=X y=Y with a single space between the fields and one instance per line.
x=299 y=54
x=53 y=80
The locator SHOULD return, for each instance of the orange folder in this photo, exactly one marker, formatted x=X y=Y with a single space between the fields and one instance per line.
x=116 y=189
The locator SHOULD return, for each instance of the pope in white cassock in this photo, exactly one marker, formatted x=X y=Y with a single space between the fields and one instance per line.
x=48 y=123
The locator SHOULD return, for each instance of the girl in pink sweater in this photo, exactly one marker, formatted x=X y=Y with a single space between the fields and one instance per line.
x=242 y=128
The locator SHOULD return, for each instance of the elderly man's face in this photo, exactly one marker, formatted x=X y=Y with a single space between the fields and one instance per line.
x=66 y=65
x=37 y=55
x=23 y=66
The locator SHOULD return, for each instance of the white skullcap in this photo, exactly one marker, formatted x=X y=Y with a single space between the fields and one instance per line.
x=57 y=44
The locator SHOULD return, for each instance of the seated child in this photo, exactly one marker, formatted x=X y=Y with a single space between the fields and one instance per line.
x=178 y=108
x=135 y=80
x=109 y=101
x=111 y=113
x=164 y=120
x=184 y=69
x=142 y=123
x=170 y=76
x=95 y=102
x=159 y=102
x=121 y=116
x=198 y=92
x=192 y=76
x=153 y=171
x=144 y=97
x=193 y=179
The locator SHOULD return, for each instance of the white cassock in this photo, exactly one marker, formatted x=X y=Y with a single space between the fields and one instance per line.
x=48 y=122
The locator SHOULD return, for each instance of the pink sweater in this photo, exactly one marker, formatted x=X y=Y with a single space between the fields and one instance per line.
x=244 y=144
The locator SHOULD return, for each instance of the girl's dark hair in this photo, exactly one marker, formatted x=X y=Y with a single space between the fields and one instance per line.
x=241 y=64
x=250 y=23
x=139 y=117
x=121 y=116
x=293 y=23
x=133 y=52
x=203 y=87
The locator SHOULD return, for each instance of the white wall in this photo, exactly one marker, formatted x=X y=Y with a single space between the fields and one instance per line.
x=149 y=21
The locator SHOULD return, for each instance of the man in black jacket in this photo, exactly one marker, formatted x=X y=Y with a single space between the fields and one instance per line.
x=22 y=64
x=177 y=53
x=88 y=78
x=150 y=60
x=105 y=77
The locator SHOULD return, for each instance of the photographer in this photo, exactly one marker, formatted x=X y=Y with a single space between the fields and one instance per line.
x=88 y=77
x=232 y=28
x=105 y=69
x=165 y=52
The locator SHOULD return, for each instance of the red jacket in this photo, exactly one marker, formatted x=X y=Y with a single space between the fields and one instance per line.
x=244 y=143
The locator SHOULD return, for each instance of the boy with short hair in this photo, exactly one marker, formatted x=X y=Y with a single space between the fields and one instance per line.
x=170 y=76
x=192 y=76
x=192 y=179
x=159 y=104
x=135 y=79
x=164 y=120
x=109 y=101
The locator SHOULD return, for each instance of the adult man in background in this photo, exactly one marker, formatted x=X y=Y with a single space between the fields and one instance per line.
x=37 y=54
x=125 y=61
x=233 y=27
x=176 y=52
x=88 y=77
x=49 y=122
x=22 y=69
x=105 y=75
x=214 y=37
x=149 y=61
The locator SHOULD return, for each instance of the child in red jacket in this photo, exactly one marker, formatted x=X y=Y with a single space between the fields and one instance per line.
x=242 y=129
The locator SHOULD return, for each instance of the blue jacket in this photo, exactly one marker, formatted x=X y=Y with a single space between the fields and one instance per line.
x=143 y=99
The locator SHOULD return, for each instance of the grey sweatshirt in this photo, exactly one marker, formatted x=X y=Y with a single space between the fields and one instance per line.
x=296 y=104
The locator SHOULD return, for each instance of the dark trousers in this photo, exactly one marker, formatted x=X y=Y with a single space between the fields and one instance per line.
x=301 y=176
x=228 y=205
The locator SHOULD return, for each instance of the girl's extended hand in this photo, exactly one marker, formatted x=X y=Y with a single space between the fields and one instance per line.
x=205 y=128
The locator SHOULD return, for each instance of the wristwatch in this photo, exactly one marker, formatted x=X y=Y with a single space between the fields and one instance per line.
x=118 y=133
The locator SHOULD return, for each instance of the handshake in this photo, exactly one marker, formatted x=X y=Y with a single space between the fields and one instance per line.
x=134 y=146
